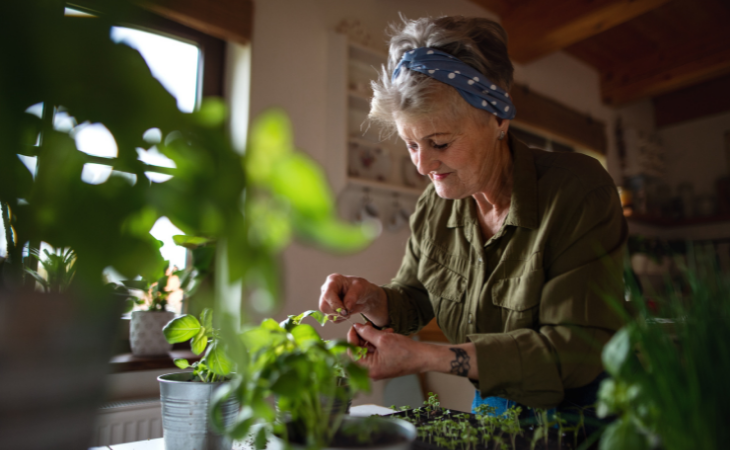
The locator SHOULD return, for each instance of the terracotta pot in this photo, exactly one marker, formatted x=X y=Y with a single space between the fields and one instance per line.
x=145 y=333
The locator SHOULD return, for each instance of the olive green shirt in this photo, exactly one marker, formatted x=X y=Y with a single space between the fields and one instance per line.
x=531 y=297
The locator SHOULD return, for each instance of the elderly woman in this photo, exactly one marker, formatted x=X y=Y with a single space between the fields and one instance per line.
x=511 y=248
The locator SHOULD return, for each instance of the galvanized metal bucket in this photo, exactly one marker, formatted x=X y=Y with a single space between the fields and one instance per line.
x=185 y=421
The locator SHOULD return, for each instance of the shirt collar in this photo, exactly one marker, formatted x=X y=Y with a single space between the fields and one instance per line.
x=523 y=204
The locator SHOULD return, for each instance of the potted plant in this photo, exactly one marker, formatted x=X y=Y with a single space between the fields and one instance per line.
x=312 y=382
x=145 y=328
x=185 y=397
x=58 y=269
x=669 y=364
x=250 y=206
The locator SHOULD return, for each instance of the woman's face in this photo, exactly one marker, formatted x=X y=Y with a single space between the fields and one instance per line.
x=462 y=156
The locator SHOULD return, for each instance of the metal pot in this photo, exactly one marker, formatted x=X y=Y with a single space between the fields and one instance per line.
x=185 y=420
x=145 y=333
x=376 y=433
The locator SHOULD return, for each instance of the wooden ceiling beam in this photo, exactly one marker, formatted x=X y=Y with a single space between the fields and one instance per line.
x=554 y=119
x=499 y=7
x=540 y=27
x=229 y=20
x=661 y=72
x=711 y=97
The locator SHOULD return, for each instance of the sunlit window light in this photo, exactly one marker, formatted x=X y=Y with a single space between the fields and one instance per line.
x=3 y=241
x=63 y=122
x=131 y=178
x=31 y=162
x=96 y=140
x=70 y=12
x=164 y=230
x=36 y=110
x=95 y=173
x=154 y=157
x=174 y=63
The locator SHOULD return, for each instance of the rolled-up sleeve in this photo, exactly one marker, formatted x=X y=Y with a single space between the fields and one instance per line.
x=583 y=267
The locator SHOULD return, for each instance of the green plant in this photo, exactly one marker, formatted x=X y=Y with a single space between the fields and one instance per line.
x=291 y=362
x=59 y=267
x=152 y=294
x=214 y=365
x=667 y=385
x=242 y=210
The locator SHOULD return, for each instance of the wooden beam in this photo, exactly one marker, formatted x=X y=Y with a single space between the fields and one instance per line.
x=540 y=27
x=557 y=120
x=662 y=72
x=498 y=7
x=230 y=20
x=711 y=97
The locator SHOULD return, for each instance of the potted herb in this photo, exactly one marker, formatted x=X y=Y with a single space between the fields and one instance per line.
x=251 y=206
x=58 y=269
x=145 y=328
x=312 y=382
x=185 y=397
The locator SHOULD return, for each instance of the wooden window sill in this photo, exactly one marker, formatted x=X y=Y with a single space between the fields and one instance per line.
x=126 y=362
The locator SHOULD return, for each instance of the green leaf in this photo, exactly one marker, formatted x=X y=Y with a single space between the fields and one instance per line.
x=206 y=318
x=182 y=363
x=191 y=242
x=288 y=384
x=181 y=329
x=262 y=409
x=217 y=361
x=303 y=184
x=617 y=352
x=335 y=235
x=220 y=396
x=305 y=335
x=255 y=339
x=261 y=439
x=199 y=342
x=212 y=112
x=241 y=424
x=270 y=142
x=319 y=316
x=271 y=325
x=142 y=285
x=358 y=375
x=622 y=435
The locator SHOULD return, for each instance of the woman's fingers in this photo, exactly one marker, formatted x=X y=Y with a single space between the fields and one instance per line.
x=329 y=300
x=354 y=338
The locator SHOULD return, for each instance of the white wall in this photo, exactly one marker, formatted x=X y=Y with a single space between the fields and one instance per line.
x=289 y=61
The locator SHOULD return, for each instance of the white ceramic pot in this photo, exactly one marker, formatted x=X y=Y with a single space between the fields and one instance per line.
x=145 y=333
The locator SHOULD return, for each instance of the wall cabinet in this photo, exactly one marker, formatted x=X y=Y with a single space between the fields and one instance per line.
x=363 y=165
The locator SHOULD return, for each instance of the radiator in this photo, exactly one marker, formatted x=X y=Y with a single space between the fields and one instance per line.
x=128 y=421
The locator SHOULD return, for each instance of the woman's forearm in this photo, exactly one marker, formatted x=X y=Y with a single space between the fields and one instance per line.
x=458 y=360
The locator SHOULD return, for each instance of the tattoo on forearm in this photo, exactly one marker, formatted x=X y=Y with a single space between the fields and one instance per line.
x=460 y=364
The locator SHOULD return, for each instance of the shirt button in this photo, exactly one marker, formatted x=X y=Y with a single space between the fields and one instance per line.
x=480 y=259
x=471 y=318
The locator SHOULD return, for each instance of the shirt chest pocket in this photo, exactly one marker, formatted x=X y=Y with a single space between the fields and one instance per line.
x=446 y=291
x=519 y=299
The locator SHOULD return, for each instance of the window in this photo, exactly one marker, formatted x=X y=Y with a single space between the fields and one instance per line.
x=186 y=62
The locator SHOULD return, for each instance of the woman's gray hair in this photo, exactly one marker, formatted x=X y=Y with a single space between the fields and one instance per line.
x=479 y=42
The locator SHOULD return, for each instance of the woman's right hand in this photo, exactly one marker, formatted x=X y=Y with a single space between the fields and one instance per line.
x=353 y=295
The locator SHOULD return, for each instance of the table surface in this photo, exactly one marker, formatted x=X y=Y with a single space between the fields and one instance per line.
x=159 y=444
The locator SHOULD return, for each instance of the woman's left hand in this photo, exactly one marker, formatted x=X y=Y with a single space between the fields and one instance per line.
x=389 y=355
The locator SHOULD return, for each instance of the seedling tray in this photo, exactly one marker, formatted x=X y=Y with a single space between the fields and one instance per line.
x=442 y=429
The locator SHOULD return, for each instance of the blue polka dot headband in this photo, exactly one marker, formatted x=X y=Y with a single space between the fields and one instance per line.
x=471 y=84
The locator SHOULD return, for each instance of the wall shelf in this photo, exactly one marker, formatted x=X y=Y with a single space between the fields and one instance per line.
x=671 y=223
x=384 y=186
